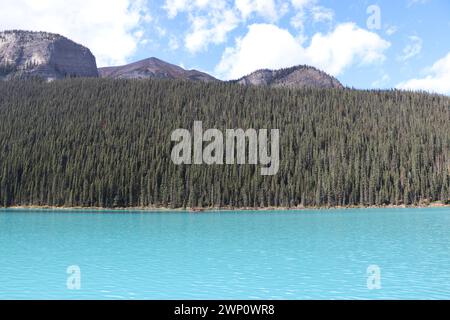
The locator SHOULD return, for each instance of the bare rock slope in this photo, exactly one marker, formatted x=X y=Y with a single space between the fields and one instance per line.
x=50 y=56
x=153 y=68
x=294 y=77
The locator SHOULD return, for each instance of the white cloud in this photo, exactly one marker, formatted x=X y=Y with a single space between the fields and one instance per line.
x=210 y=29
x=298 y=21
x=173 y=43
x=437 y=78
x=309 y=9
x=301 y=4
x=264 y=8
x=412 y=49
x=346 y=45
x=160 y=31
x=211 y=21
x=391 y=30
x=109 y=28
x=322 y=14
x=174 y=6
x=264 y=46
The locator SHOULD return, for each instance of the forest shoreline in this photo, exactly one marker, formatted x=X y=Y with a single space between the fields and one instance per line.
x=98 y=143
x=221 y=209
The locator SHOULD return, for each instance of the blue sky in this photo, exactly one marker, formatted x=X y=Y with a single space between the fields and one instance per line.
x=365 y=44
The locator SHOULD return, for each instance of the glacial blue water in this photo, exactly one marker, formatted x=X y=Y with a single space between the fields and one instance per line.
x=226 y=255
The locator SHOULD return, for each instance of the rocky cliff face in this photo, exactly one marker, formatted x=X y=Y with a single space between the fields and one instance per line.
x=50 y=56
x=153 y=68
x=295 y=77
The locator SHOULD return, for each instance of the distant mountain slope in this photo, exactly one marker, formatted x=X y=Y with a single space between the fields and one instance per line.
x=153 y=68
x=25 y=53
x=294 y=77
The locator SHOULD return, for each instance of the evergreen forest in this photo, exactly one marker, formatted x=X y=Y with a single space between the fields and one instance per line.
x=107 y=143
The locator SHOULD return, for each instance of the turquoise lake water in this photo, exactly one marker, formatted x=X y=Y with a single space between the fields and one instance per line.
x=226 y=255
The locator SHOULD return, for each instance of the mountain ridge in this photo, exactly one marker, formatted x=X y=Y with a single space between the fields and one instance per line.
x=153 y=68
x=51 y=56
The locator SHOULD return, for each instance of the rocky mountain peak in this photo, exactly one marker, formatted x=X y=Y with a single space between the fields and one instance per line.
x=294 y=77
x=50 y=56
x=153 y=68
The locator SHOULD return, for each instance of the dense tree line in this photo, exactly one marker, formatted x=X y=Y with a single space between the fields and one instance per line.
x=106 y=143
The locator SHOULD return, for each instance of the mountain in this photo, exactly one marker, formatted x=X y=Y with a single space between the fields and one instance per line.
x=26 y=54
x=153 y=68
x=294 y=77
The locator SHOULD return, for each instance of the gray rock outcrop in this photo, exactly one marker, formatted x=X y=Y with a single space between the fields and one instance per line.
x=25 y=54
